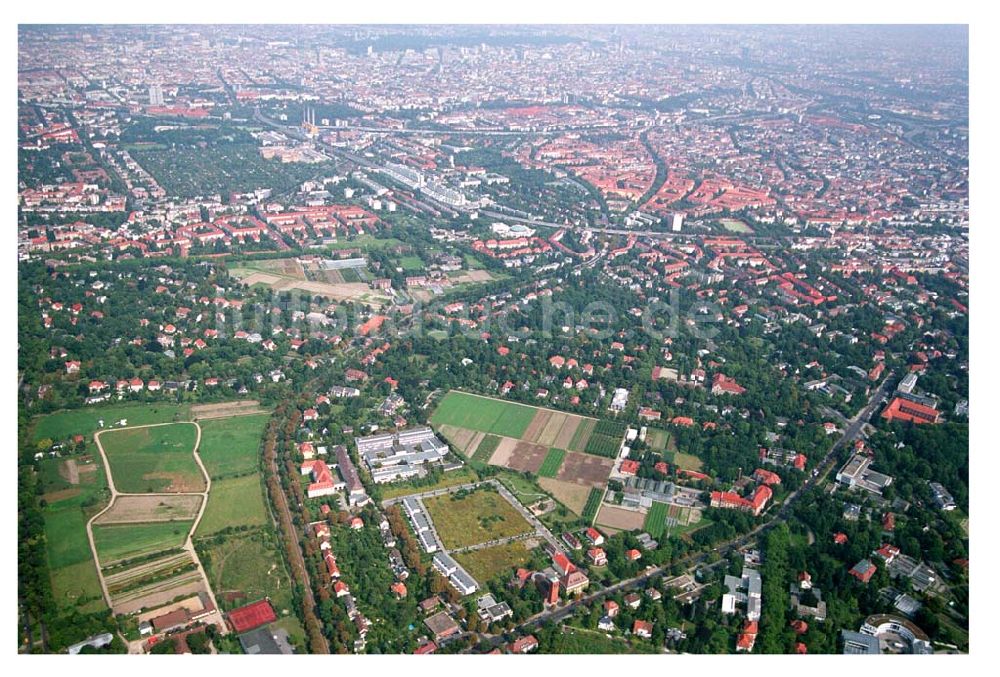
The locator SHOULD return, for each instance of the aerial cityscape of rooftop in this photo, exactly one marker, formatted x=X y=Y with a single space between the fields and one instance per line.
x=493 y=339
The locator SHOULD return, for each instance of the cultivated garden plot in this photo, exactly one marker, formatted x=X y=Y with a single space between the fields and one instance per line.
x=131 y=509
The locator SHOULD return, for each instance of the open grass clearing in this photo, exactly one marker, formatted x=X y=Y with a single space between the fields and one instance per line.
x=233 y=502
x=156 y=459
x=687 y=461
x=570 y=494
x=61 y=425
x=76 y=585
x=230 y=446
x=484 y=414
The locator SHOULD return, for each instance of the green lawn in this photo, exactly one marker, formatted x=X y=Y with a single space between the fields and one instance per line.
x=411 y=263
x=553 y=461
x=489 y=563
x=233 y=502
x=126 y=541
x=735 y=226
x=686 y=461
x=61 y=425
x=229 y=446
x=475 y=518
x=656 y=519
x=145 y=460
x=483 y=414
x=66 y=536
x=71 y=566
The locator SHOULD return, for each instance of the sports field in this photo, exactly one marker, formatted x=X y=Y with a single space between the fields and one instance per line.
x=475 y=518
x=229 y=446
x=233 y=502
x=657 y=439
x=484 y=414
x=158 y=459
x=656 y=519
x=489 y=563
x=551 y=464
x=735 y=226
x=119 y=542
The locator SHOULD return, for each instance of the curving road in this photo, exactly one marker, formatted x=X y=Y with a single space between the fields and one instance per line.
x=216 y=616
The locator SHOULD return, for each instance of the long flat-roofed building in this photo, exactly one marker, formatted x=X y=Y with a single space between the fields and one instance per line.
x=394 y=456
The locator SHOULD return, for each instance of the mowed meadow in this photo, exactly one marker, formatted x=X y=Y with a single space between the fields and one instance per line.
x=483 y=414
x=230 y=446
x=155 y=459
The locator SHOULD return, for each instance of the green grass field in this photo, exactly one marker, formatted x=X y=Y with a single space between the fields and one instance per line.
x=145 y=460
x=61 y=425
x=233 y=502
x=71 y=567
x=411 y=263
x=497 y=561
x=553 y=461
x=475 y=518
x=77 y=586
x=66 y=535
x=735 y=226
x=686 y=461
x=229 y=446
x=656 y=519
x=127 y=541
x=593 y=503
x=486 y=448
x=483 y=414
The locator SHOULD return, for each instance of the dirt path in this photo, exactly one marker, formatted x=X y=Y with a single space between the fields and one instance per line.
x=216 y=616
